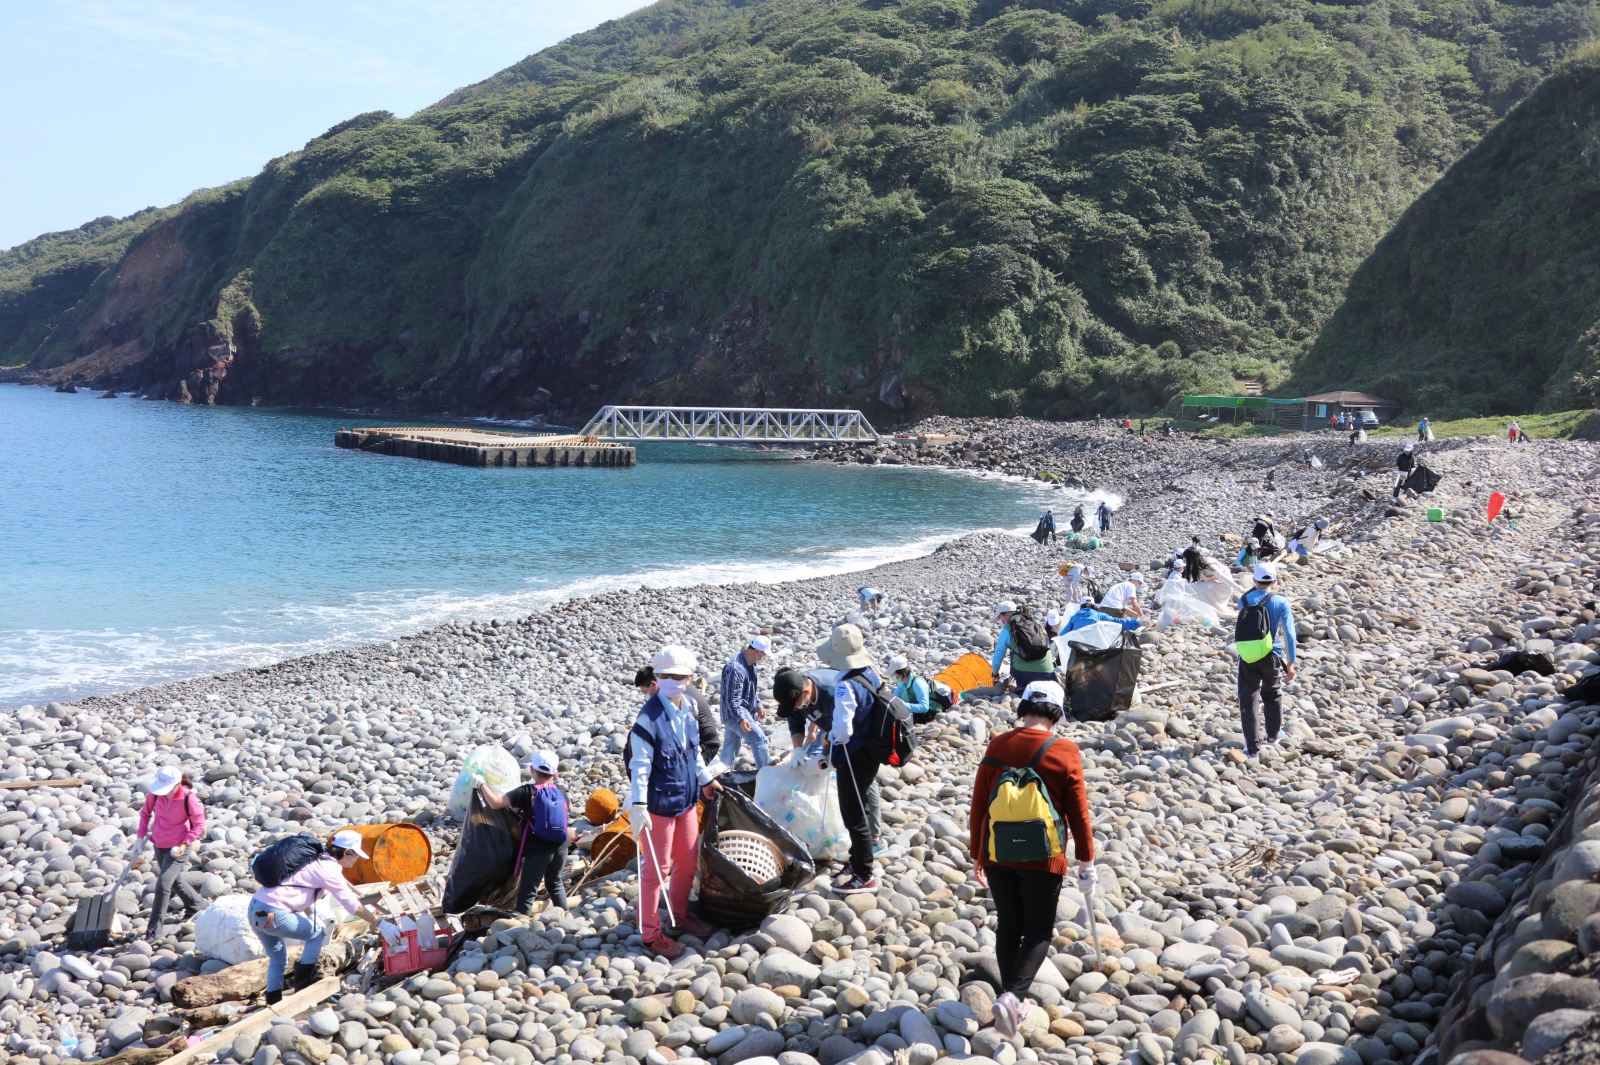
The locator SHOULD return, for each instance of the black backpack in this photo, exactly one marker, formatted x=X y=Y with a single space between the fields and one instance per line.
x=1252 y=631
x=1028 y=638
x=285 y=858
x=888 y=736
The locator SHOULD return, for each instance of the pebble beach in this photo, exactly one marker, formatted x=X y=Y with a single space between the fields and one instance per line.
x=1412 y=876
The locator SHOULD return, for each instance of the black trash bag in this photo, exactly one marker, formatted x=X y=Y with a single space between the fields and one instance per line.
x=483 y=871
x=1517 y=662
x=727 y=896
x=742 y=779
x=1422 y=479
x=1039 y=533
x=1586 y=690
x=1100 y=683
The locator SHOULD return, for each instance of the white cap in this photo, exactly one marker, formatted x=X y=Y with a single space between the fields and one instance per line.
x=349 y=839
x=166 y=779
x=1266 y=572
x=1411 y=447
x=674 y=660
x=1052 y=618
x=1136 y=577
x=1006 y=607
x=1087 y=600
x=899 y=662
x=544 y=762
x=1045 y=691
x=762 y=644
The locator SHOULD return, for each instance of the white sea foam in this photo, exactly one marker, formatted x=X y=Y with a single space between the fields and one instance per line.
x=37 y=666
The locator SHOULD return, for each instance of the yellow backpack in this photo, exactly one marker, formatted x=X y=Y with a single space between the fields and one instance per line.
x=1023 y=823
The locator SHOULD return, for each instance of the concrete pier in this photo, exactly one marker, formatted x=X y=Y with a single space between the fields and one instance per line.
x=487 y=447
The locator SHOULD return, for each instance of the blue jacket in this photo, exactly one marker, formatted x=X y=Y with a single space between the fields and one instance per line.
x=1088 y=615
x=852 y=702
x=741 y=698
x=666 y=764
x=1280 y=619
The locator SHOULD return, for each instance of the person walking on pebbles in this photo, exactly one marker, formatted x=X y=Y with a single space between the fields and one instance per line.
x=1079 y=520
x=278 y=914
x=546 y=833
x=172 y=819
x=1103 y=512
x=853 y=696
x=742 y=716
x=665 y=771
x=1017 y=835
x=1264 y=639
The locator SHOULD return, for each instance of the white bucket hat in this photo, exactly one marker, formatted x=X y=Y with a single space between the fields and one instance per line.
x=349 y=839
x=1136 y=577
x=166 y=778
x=845 y=648
x=674 y=660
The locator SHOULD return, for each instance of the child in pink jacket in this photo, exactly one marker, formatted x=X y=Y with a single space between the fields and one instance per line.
x=172 y=819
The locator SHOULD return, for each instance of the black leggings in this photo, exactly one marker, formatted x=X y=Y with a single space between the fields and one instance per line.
x=857 y=772
x=1025 y=911
x=542 y=863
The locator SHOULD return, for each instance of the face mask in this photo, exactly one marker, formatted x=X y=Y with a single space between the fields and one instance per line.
x=671 y=689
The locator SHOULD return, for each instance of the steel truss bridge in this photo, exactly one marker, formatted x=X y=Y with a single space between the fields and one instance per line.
x=777 y=425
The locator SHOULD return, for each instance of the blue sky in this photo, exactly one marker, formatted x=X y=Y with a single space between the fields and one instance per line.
x=115 y=105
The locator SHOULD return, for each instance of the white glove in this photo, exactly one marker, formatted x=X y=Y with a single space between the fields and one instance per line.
x=639 y=821
x=1088 y=878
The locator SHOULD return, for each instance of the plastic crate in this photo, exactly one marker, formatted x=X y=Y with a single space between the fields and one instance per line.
x=1435 y=514
x=409 y=957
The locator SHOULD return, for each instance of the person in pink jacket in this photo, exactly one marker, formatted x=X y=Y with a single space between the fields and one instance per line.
x=172 y=819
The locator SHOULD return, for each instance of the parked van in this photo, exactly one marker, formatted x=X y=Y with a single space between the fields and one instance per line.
x=1366 y=419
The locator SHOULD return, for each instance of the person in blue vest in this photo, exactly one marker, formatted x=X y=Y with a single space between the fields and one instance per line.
x=845 y=650
x=546 y=831
x=1264 y=677
x=742 y=715
x=667 y=773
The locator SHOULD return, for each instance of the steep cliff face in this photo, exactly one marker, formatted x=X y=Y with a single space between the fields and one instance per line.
x=1485 y=298
x=1058 y=207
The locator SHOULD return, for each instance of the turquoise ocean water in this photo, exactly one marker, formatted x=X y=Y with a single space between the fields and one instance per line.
x=146 y=542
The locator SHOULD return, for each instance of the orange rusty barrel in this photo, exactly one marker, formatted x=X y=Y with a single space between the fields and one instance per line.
x=396 y=854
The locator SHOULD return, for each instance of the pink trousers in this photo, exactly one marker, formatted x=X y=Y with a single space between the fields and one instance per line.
x=673 y=842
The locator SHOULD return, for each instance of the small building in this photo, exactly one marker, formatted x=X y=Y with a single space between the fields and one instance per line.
x=1326 y=405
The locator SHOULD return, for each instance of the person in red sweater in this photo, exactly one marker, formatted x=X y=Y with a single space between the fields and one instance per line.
x=1025 y=894
x=172 y=819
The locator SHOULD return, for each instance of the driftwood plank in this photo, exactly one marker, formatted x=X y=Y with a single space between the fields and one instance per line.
x=259 y=1021
x=24 y=785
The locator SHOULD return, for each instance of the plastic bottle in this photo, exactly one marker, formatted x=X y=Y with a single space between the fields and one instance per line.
x=69 y=1038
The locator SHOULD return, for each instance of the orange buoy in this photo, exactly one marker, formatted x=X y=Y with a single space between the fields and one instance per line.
x=396 y=854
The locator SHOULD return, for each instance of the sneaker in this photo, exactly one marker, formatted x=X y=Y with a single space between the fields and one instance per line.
x=694 y=926
x=1024 y=1008
x=669 y=949
x=1005 y=1015
x=854 y=885
x=878 y=847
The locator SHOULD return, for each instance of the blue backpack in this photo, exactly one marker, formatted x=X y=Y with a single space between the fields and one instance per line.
x=549 y=814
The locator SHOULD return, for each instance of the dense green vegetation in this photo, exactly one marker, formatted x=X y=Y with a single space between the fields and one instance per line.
x=1485 y=298
x=1055 y=207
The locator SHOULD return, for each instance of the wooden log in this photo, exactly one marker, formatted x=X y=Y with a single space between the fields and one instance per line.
x=247 y=979
x=143 y=1055
x=259 y=1021
x=24 y=785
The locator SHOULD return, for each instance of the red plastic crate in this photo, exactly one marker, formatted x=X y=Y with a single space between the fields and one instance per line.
x=411 y=958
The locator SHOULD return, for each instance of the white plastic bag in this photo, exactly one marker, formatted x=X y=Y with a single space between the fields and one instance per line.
x=1180 y=606
x=499 y=770
x=222 y=931
x=803 y=797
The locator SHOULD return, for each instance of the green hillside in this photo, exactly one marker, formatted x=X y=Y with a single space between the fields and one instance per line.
x=1055 y=207
x=1485 y=298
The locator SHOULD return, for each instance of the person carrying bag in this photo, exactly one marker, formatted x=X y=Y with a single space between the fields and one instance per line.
x=1028 y=796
